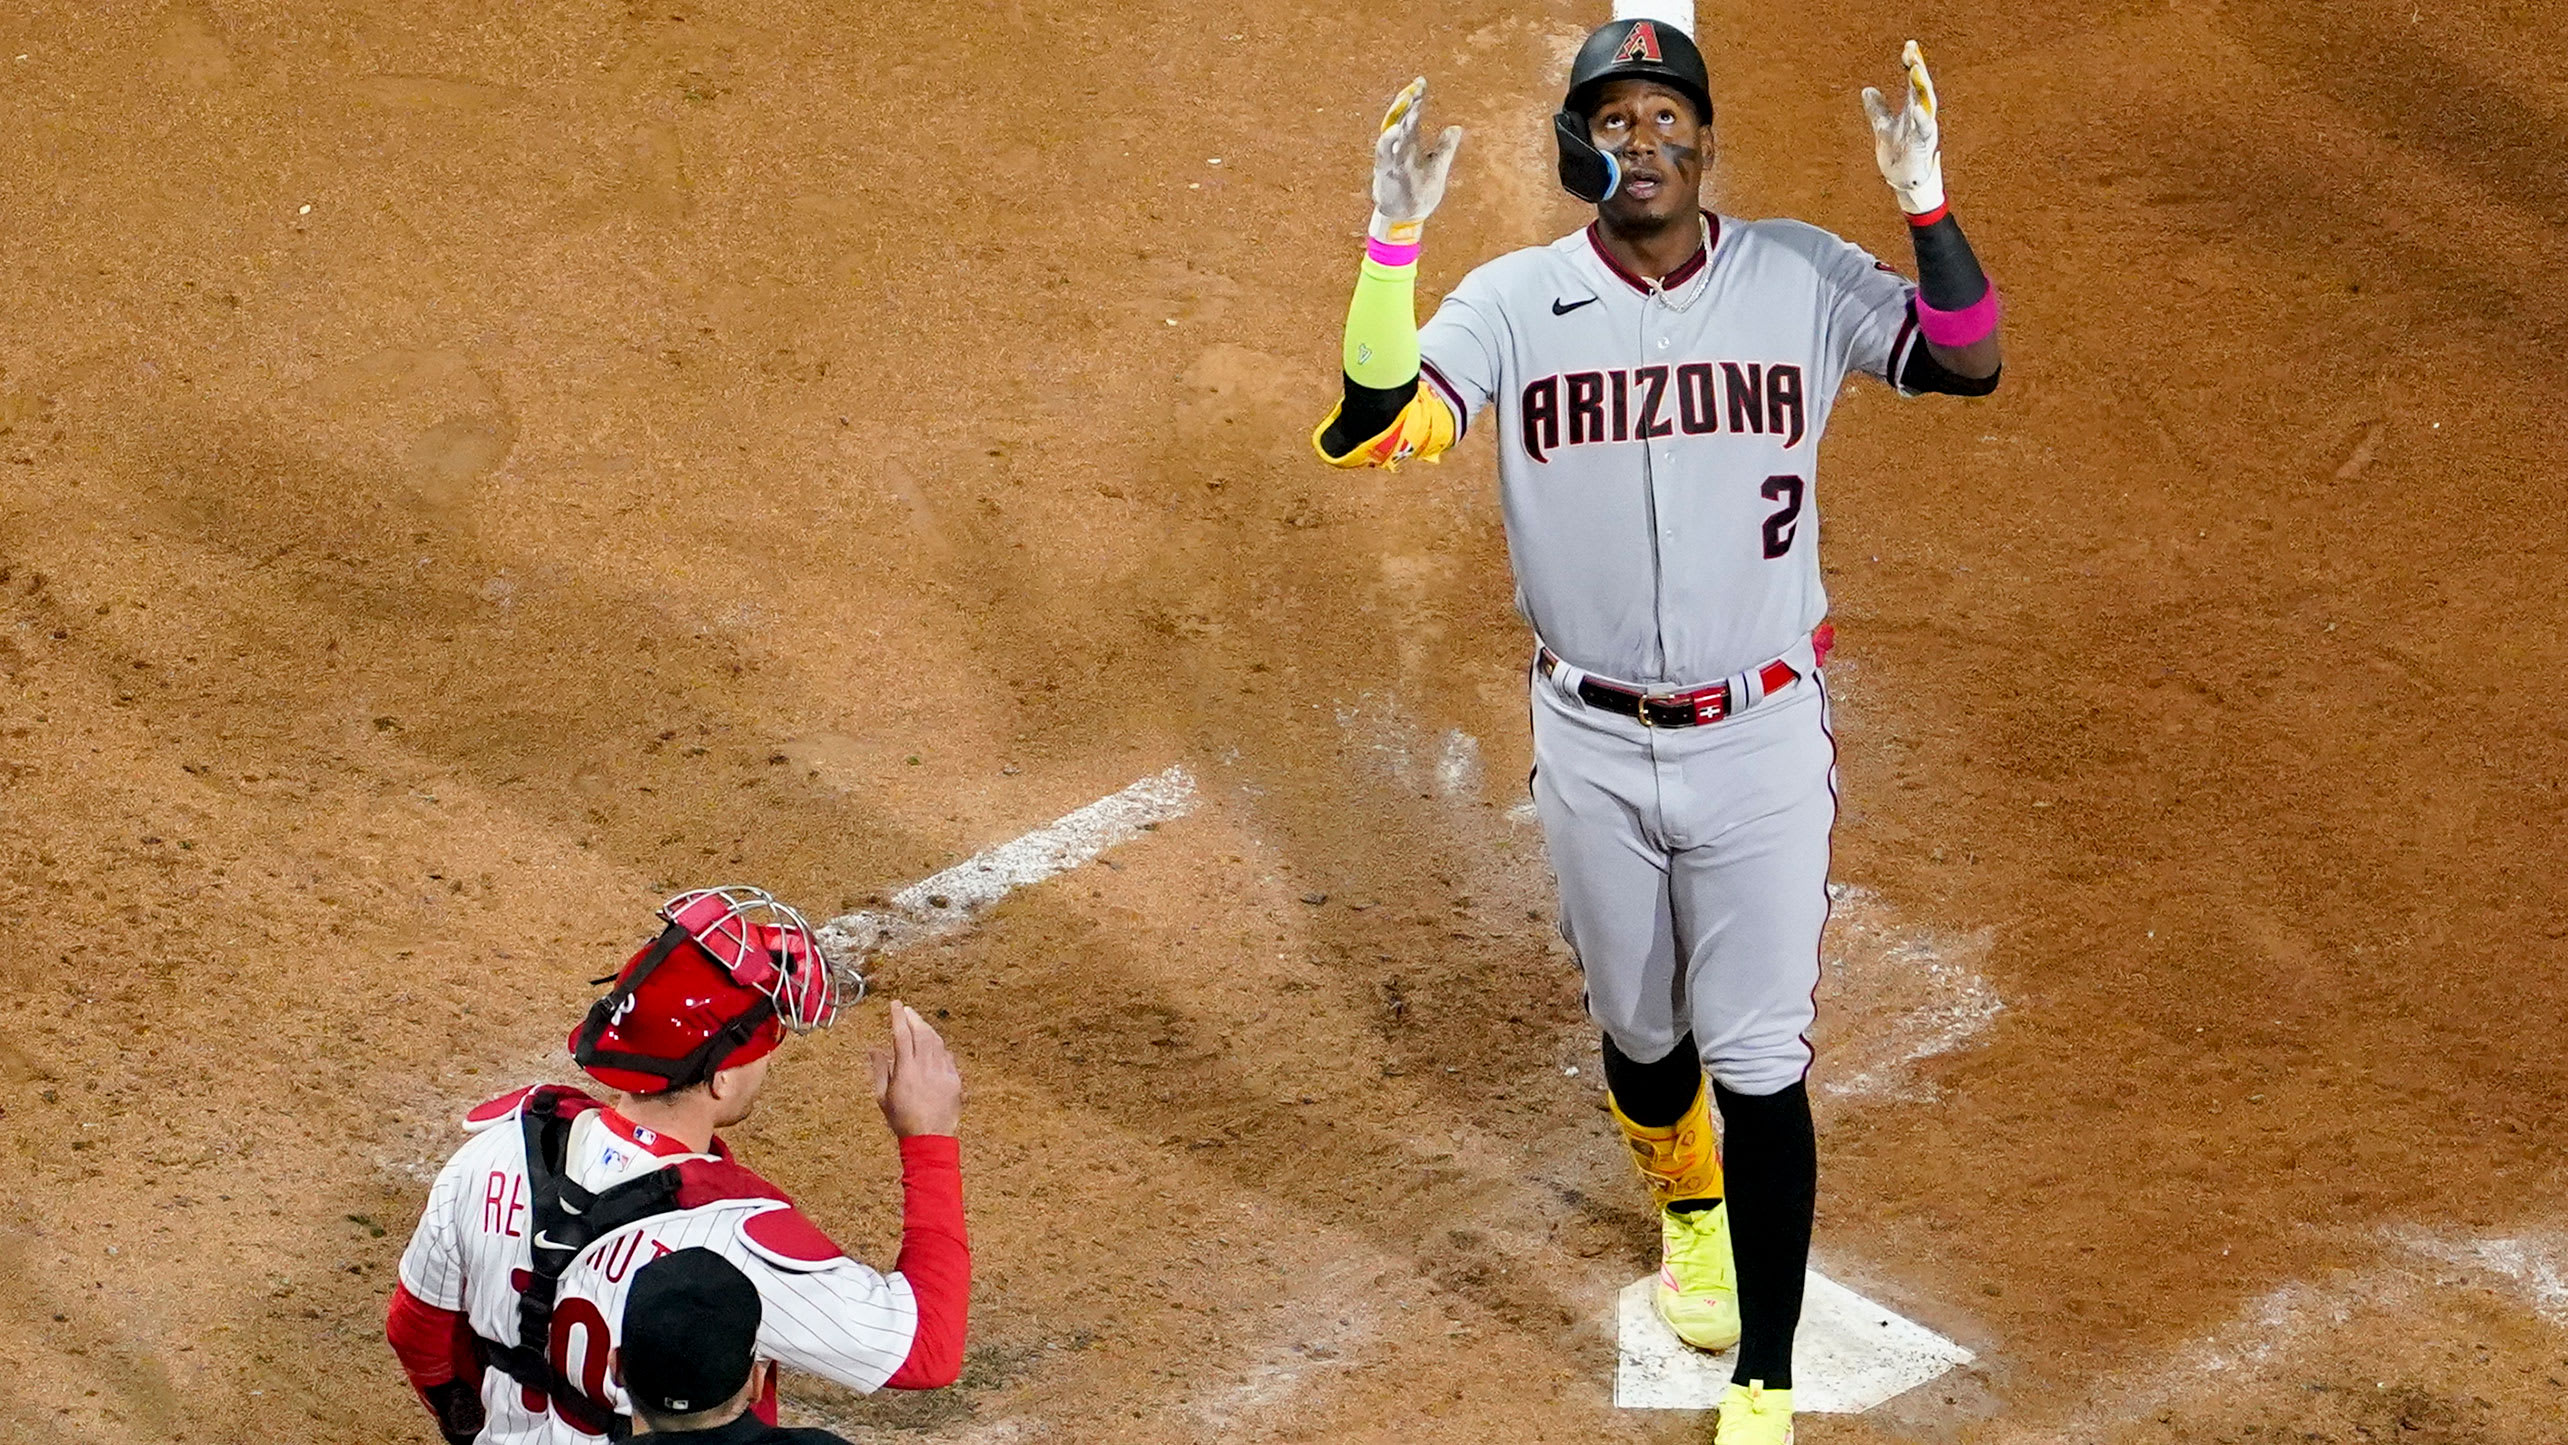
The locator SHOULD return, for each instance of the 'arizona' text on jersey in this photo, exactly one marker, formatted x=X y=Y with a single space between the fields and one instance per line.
x=1657 y=453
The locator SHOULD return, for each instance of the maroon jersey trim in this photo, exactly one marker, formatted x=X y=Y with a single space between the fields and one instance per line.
x=1677 y=277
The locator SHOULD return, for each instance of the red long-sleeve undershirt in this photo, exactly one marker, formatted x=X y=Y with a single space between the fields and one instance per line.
x=434 y=1345
x=936 y=1259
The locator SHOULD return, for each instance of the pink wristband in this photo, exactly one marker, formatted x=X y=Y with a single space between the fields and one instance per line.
x=1390 y=253
x=1959 y=328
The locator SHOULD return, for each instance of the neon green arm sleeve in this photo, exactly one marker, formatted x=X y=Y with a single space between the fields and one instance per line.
x=1381 y=349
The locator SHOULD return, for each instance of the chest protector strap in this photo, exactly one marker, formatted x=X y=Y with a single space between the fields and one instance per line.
x=568 y=1219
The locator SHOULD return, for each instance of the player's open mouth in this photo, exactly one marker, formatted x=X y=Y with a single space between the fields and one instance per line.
x=1640 y=187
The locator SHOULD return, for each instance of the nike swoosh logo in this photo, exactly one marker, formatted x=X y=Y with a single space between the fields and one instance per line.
x=1563 y=308
x=545 y=1241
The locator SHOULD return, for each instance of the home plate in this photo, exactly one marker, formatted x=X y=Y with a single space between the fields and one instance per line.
x=1850 y=1355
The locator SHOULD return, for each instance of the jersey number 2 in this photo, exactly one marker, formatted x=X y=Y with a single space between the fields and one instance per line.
x=1779 y=528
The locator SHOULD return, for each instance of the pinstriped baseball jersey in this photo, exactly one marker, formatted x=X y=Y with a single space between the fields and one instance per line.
x=822 y=1312
x=1657 y=452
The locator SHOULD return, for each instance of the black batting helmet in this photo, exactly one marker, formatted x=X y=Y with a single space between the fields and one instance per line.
x=1624 y=50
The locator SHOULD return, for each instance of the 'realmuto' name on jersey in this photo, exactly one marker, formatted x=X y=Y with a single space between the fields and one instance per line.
x=1581 y=408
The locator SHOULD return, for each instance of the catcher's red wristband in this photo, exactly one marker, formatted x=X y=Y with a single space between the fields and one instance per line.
x=1942 y=209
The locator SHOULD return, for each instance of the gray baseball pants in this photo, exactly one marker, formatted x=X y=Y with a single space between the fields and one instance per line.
x=1693 y=871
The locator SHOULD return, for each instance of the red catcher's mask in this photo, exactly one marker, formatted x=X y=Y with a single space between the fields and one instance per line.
x=732 y=971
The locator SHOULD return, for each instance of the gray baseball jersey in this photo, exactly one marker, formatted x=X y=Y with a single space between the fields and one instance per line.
x=1657 y=453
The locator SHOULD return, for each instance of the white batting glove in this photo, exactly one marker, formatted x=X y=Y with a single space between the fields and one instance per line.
x=1408 y=182
x=1906 y=142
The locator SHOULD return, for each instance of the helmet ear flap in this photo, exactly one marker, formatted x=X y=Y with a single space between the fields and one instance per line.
x=1590 y=174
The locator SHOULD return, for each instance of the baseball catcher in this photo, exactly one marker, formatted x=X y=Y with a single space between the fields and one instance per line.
x=513 y=1287
x=1661 y=379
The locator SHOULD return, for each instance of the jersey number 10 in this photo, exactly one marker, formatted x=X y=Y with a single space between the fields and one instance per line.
x=1780 y=527
x=579 y=1316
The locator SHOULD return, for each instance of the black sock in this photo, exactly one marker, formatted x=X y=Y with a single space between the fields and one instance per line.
x=1771 y=1153
x=1654 y=1095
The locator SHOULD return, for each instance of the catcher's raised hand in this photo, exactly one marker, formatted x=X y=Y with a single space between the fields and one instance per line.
x=915 y=1080
x=1409 y=180
x=1905 y=141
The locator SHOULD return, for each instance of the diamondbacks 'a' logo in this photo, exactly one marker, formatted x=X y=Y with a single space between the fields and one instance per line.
x=1641 y=44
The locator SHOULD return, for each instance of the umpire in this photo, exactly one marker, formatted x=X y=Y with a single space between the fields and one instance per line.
x=689 y=1357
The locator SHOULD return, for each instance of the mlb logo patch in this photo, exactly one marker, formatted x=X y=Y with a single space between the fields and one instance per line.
x=1641 y=44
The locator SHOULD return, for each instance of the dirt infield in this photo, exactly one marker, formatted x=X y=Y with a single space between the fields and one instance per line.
x=466 y=469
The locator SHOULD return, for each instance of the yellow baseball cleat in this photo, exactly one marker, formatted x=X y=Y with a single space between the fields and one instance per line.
x=1698 y=1289
x=1751 y=1414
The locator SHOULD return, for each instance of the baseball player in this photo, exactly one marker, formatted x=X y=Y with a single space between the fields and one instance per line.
x=514 y=1284
x=1661 y=379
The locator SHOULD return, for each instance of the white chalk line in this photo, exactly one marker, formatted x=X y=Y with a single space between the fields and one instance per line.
x=1877 y=960
x=2537 y=1266
x=2270 y=1335
x=945 y=902
x=1679 y=13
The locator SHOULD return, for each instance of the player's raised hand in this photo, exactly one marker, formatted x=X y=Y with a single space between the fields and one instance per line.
x=915 y=1080
x=1906 y=141
x=1408 y=180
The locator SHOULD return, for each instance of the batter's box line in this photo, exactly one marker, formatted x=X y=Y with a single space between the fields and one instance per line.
x=946 y=902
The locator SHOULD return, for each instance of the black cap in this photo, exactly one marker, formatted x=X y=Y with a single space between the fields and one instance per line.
x=1639 y=50
x=690 y=1333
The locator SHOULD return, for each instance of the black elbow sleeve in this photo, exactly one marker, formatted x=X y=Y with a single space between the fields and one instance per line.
x=1363 y=413
x=1924 y=373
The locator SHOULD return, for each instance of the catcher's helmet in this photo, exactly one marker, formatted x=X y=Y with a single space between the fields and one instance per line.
x=729 y=974
x=1624 y=50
